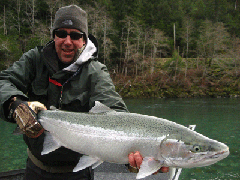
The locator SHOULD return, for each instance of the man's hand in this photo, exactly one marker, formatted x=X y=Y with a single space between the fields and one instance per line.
x=24 y=113
x=135 y=161
x=36 y=106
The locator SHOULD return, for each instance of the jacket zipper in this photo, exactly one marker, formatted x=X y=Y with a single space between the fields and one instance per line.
x=62 y=85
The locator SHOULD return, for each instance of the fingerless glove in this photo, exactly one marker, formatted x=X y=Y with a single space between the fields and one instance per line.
x=25 y=117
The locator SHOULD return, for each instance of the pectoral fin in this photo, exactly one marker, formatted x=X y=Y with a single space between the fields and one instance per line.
x=17 y=131
x=86 y=161
x=148 y=167
x=50 y=144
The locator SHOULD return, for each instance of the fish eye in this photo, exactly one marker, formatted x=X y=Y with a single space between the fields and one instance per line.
x=196 y=148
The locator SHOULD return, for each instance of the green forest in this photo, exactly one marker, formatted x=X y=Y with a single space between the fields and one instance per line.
x=153 y=48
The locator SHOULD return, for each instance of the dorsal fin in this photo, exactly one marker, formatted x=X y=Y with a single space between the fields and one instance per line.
x=100 y=108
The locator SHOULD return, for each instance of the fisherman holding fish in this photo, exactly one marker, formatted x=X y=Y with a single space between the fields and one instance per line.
x=64 y=74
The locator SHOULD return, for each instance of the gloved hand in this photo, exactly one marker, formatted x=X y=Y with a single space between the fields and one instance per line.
x=24 y=113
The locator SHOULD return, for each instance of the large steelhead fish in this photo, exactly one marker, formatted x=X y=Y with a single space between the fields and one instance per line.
x=106 y=135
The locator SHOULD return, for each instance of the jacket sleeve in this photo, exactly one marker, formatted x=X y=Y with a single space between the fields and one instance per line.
x=103 y=89
x=16 y=80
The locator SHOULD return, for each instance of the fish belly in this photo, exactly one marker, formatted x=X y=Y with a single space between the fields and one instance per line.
x=108 y=145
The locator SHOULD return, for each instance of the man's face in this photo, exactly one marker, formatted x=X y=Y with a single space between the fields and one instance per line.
x=66 y=48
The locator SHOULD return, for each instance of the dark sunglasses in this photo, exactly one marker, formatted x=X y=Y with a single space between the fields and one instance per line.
x=73 y=35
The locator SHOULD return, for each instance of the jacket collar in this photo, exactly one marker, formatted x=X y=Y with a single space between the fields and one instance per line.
x=87 y=53
x=50 y=57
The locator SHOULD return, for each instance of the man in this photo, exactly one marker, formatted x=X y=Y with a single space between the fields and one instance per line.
x=64 y=74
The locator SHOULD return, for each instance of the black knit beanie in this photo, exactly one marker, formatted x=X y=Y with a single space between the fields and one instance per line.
x=71 y=17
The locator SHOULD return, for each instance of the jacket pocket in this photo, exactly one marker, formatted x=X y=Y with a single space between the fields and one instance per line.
x=38 y=91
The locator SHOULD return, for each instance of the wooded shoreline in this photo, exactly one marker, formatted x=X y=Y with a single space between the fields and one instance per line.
x=159 y=49
x=164 y=85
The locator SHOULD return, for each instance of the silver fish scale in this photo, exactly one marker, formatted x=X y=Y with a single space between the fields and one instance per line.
x=130 y=123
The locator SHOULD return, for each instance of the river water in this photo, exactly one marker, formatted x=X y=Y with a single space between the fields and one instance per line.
x=215 y=118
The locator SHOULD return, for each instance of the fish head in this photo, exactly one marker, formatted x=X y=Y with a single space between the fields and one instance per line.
x=199 y=151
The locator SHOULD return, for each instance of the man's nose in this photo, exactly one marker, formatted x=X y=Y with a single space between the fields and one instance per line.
x=68 y=40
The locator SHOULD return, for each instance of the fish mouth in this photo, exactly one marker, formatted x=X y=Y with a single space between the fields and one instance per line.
x=202 y=159
x=212 y=157
x=221 y=154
